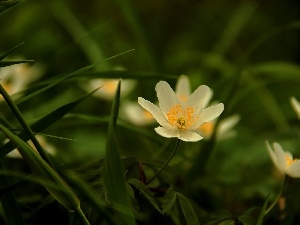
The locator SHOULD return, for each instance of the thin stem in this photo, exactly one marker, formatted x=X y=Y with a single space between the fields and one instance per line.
x=166 y=163
x=277 y=198
x=82 y=216
x=23 y=123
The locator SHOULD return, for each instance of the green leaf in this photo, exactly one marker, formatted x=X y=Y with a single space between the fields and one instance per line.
x=5 y=6
x=169 y=200
x=113 y=171
x=45 y=122
x=262 y=213
x=187 y=210
x=247 y=218
x=145 y=192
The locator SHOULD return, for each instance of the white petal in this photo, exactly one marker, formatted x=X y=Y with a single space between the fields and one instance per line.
x=296 y=106
x=200 y=98
x=294 y=170
x=280 y=156
x=137 y=115
x=187 y=135
x=227 y=124
x=208 y=115
x=183 y=89
x=155 y=111
x=166 y=96
x=273 y=156
x=168 y=133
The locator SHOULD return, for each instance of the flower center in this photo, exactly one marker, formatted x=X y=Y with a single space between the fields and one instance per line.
x=181 y=118
x=289 y=160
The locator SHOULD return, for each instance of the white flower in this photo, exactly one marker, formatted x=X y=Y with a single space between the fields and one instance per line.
x=180 y=113
x=136 y=115
x=224 y=129
x=16 y=77
x=284 y=161
x=296 y=106
x=108 y=87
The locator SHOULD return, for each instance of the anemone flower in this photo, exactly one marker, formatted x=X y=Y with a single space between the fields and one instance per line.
x=224 y=130
x=284 y=161
x=15 y=78
x=296 y=106
x=136 y=115
x=180 y=114
x=108 y=87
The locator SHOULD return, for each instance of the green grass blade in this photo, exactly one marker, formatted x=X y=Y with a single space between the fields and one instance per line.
x=140 y=75
x=21 y=100
x=88 y=194
x=89 y=46
x=10 y=63
x=277 y=69
x=9 y=51
x=61 y=192
x=139 y=131
x=7 y=5
x=10 y=207
x=24 y=124
x=113 y=172
x=45 y=122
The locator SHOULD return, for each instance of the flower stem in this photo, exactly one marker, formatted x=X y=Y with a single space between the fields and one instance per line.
x=84 y=220
x=277 y=198
x=166 y=163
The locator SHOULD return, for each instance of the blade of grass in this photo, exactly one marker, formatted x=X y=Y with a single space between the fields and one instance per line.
x=89 y=46
x=121 y=123
x=10 y=63
x=61 y=191
x=9 y=51
x=113 y=172
x=88 y=194
x=45 y=122
x=10 y=207
x=60 y=80
x=5 y=6
x=24 y=124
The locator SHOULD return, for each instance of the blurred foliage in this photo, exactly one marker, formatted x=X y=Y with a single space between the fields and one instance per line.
x=246 y=51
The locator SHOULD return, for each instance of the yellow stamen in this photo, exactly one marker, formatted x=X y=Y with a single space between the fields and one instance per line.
x=181 y=118
x=289 y=160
